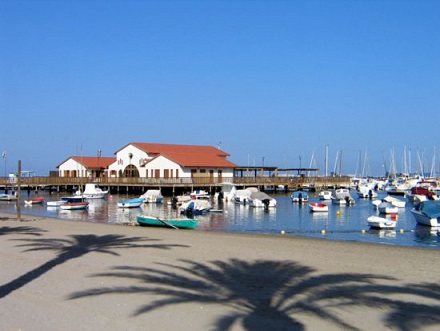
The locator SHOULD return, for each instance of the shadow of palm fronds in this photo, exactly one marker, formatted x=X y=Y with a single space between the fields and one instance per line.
x=268 y=295
x=5 y=230
x=75 y=247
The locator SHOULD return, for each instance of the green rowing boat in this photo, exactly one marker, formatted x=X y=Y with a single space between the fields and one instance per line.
x=176 y=223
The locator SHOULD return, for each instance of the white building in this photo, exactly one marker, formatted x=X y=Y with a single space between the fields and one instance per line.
x=155 y=161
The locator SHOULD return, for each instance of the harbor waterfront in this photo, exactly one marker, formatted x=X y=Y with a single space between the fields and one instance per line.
x=348 y=223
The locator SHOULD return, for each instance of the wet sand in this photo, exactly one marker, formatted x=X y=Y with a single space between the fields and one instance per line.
x=70 y=275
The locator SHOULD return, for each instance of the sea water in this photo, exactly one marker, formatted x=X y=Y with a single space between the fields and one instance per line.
x=287 y=219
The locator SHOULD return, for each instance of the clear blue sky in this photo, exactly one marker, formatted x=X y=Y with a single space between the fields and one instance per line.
x=278 y=80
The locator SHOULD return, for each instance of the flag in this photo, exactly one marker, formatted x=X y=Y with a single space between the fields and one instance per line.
x=4 y=155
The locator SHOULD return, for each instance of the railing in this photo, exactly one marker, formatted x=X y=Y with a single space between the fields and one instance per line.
x=293 y=181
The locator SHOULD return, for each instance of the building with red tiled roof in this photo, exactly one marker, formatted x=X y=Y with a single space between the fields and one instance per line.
x=171 y=161
x=85 y=166
x=154 y=161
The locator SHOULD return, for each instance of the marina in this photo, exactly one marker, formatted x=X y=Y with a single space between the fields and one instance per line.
x=341 y=222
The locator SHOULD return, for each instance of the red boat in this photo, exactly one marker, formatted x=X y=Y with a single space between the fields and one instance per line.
x=318 y=207
x=33 y=201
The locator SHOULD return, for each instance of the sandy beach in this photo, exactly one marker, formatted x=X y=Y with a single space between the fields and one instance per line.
x=68 y=275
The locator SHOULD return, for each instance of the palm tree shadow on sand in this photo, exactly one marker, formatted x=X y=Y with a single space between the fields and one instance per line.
x=76 y=247
x=269 y=295
x=29 y=230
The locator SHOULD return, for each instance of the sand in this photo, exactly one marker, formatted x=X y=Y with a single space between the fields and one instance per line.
x=71 y=275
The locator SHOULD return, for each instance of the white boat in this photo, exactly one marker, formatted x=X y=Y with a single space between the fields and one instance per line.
x=8 y=197
x=75 y=205
x=261 y=199
x=195 y=207
x=381 y=222
x=325 y=195
x=152 y=196
x=427 y=212
x=366 y=191
x=93 y=191
x=56 y=203
x=342 y=197
x=242 y=197
x=227 y=193
x=395 y=201
x=387 y=208
x=318 y=207
x=299 y=196
x=131 y=203
x=199 y=194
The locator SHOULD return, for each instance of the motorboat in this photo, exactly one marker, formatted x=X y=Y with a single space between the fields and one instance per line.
x=8 y=197
x=299 y=196
x=325 y=195
x=81 y=205
x=131 y=203
x=387 y=208
x=366 y=191
x=93 y=191
x=242 y=197
x=395 y=201
x=152 y=196
x=427 y=212
x=195 y=207
x=378 y=222
x=342 y=197
x=33 y=201
x=318 y=207
x=418 y=194
x=56 y=203
x=261 y=199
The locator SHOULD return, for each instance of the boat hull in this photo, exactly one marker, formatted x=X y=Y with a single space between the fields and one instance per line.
x=318 y=207
x=131 y=203
x=75 y=206
x=381 y=223
x=181 y=223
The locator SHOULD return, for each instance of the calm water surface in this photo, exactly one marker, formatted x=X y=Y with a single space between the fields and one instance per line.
x=340 y=223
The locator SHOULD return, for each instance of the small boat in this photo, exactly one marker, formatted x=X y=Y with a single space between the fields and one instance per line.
x=33 y=201
x=299 y=196
x=131 y=203
x=343 y=197
x=55 y=204
x=195 y=207
x=395 y=201
x=93 y=191
x=152 y=196
x=261 y=199
x=325 y=195
x=366 y=191
x=8 y=197
x=381 y=222
x=242 y=196
x=387 y=208
x=176 y=223
x=427 y=212
x=318 y=207
x=75 y=205
x=418 y=194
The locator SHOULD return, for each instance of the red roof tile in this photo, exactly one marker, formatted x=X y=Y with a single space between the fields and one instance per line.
x=92 y=162
x=187 y=155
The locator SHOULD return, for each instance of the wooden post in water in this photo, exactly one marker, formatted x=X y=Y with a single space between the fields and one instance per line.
x=18 y=191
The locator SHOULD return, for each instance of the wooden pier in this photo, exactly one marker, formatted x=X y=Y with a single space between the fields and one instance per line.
x=176 y=185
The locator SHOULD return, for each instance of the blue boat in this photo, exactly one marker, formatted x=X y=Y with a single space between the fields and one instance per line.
x=131 y=203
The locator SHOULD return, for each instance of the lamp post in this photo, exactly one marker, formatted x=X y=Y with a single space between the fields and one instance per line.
x=98 y=172
x=130 y=156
